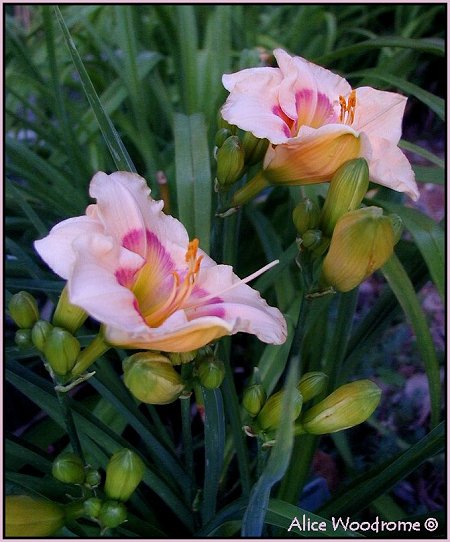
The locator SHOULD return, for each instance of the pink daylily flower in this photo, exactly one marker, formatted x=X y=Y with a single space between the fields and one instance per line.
x=132 y=268
x=315 y=122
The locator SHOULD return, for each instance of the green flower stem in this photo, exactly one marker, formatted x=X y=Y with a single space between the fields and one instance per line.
x=69 y=423
x=90 y=354
x=185 y=404
x=250 y=190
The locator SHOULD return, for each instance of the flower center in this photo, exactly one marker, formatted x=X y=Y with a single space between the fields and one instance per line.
x=348 y=107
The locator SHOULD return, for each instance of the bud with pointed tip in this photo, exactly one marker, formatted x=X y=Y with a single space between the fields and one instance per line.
x=312 y=384
x=271 y=413
x=221 y=136
x=210 y=372
x=61 y=350
x=362 y=242
x=151 y=378
x=112 y=514
x=253 y=399
x=230 y=162
x=68 y=468
x=124 y=473
x=39 y=333
x=68 y=316
x=254 y=148
x=31 y=517
x=23 y=309
x=22 y=338
x=306 y=215
x=347 y=189
x=349 y=405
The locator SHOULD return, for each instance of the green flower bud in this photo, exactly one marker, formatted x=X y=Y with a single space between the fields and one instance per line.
x=23 y=309
x=39 y=333
x=61 y=350
x=254 y=148
x=68 y=316
x=271 y=413
x=349 y=405
x=152 y=379
x=253 y=399
x=210 y=372
x=180 y=358
x=397 y=227
x=306 y=215
x=311 y=239
x=312 y=384
x=124 y=473
x=31 y=517
x=22 y=338
x=112 y=514
x=230 y=162
x=93 y=478
x=362 y=242
x=68 y=468
x=92 y=507
x=346 y=191
x=221 y=136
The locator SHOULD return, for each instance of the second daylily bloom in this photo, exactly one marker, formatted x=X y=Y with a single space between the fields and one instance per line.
x=315 y=122
x=132 y=268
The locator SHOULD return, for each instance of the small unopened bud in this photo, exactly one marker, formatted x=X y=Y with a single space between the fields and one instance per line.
x=92 y=507
x=61 y=350
x=68 y=316
x=346 y=191
x=22 y=338
x=210 y=372
x=124 y=473
x=23 y=309
x=271 y=413
x=93 y=478
x=311 y=239
x=253 y=399
x=180 y=358
x=362 y=242
x=230 y=162
x=312 y=384
x=254 y=148
x=349 y=405
x=306 y=215
x=397 y=227
x=68 y=468
x=221 y=136
x=31 y=517
x=152 y=379
x=39 y=333
x=112 y=514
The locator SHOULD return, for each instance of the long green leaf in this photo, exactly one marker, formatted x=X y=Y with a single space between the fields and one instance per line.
x=424 y=153
x=403 y=289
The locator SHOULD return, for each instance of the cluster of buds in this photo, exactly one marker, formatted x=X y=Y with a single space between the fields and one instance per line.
x=347 y=242
x=235 y=151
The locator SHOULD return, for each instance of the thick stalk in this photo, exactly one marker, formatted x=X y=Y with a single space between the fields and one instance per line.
x=250 y=190
x=185 y=404
x=90 y=354
x=69 y=423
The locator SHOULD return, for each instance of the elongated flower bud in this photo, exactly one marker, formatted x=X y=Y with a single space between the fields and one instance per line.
x=31 y=517
x=66 y=315
x=112 y=514
x=23 y=309
x=253 y=399
x=124 y=473
x=61 y=350
x=312 y=384
x=210 y=371
x=271 y=413
x=306 y=215
x=68 y=468
x=254 y=148
x=230 y=162
x=349 y=405
x=39 y=333
x=362 y=242
x=152 y=379
x=345 y=193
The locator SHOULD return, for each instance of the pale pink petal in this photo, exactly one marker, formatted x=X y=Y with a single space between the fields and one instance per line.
x=95 y=286
x=56 y=249
x=379 y=113
x=388 y=166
